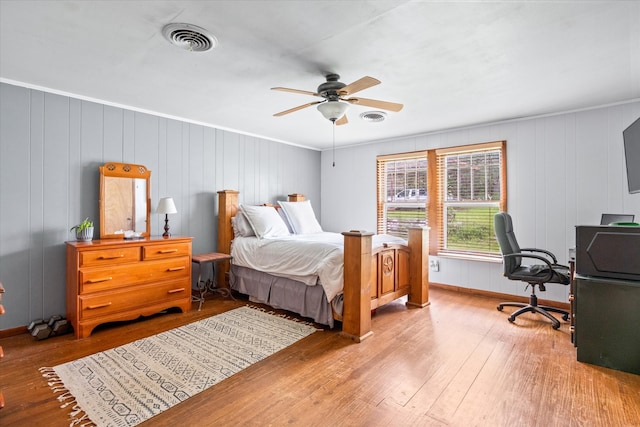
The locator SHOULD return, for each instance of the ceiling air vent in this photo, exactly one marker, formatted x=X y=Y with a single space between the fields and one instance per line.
x=189 y=37
x=373 y=116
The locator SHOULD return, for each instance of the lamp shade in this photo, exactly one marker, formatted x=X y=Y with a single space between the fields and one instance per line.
x=333 y=110
x=166 y=206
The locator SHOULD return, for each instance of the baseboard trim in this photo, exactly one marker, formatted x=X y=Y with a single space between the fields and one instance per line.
x=6 y=333
x=498 y=295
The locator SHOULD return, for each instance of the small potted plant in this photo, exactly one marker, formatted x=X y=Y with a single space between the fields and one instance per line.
x=84 y=230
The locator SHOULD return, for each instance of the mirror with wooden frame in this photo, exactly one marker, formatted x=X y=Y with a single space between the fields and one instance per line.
x=125 y=204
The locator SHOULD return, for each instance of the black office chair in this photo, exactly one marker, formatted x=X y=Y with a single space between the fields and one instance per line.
x=534 y=274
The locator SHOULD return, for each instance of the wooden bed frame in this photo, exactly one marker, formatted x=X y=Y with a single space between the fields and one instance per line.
x=372 y=278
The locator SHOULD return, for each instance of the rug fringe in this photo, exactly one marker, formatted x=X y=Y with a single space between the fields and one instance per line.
x=57 y=386
x=79 y=420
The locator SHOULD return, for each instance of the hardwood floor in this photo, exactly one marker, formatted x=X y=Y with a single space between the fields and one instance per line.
x=458 y=362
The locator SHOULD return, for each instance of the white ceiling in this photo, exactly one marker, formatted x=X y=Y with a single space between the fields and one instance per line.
x=451 y=63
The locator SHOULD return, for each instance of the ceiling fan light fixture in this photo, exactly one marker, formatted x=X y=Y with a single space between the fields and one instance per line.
x=373 y=116
x=333 y=110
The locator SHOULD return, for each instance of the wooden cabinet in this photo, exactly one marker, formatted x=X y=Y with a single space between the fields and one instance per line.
x=607 y=319
x=572 y=295
x=113 y=280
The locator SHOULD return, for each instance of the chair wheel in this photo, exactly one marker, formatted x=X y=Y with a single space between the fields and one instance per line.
x=500 y=307
x=565 y=317
x=511 y=319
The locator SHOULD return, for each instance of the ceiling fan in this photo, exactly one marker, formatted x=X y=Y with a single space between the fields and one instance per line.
x=336 y=98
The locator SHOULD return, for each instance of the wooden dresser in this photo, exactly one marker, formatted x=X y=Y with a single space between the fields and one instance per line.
x=112 y=280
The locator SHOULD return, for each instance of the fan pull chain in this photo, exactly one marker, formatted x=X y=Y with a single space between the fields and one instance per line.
x=334 y=142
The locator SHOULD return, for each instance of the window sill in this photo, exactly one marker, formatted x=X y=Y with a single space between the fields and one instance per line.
x=497 y=259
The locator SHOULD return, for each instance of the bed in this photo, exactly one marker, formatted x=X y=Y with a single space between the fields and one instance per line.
x=355 y=272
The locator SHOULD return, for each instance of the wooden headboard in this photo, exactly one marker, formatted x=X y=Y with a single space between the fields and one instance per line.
x=227 y=209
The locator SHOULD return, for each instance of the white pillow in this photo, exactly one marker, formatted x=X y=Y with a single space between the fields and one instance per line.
x=241 y=226
x=286 y=220
x=265 y=221
x=301 y=217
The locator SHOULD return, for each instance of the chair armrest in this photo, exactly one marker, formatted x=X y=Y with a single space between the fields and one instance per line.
x=553 y=257
x=538 y=257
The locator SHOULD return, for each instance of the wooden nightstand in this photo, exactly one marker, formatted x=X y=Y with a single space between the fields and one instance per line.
x=208 y=286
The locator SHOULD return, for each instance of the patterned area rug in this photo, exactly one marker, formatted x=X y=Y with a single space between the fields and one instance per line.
x=127 y=385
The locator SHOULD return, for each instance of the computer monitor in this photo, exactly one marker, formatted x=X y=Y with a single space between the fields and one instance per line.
x=607 y=219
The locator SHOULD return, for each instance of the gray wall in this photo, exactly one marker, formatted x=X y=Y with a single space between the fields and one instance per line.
x=50 y=150
x=562 y=170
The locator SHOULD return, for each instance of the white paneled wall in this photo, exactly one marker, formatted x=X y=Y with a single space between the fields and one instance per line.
x=562 y=170
x=50 y=150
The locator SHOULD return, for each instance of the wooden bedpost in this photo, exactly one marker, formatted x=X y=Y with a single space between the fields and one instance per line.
x=296 y=197
x=227 y=208
x=419 y=266
x=356 y=319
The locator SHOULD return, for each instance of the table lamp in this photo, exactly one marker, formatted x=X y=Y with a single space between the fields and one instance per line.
x=166 y=207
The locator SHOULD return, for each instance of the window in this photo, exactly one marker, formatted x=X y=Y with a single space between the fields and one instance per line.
x=471 y=188
x=402 y=192
x=456 y=191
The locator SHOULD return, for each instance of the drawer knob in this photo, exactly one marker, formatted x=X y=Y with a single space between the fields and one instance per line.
x=175 y=268
x=93 y=307
x=175 y=291
x=112 y=257
x=102 y=279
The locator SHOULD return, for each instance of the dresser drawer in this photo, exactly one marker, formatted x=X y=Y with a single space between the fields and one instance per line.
x=166 y=251
x=104 y=304
x=118 y=276
x=109 y=256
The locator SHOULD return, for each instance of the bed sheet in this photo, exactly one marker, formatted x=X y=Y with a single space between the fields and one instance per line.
x=306 y=258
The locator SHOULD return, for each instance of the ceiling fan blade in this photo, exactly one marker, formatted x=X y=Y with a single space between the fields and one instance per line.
x=342 y=120
x=299 y=107
x=364 y=83
x=303 y=92
x=383 y=105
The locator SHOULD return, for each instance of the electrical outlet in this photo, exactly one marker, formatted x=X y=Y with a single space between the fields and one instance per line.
x=434 y=265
